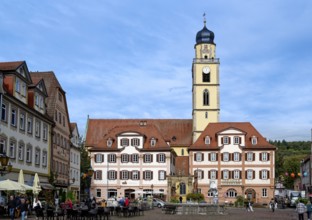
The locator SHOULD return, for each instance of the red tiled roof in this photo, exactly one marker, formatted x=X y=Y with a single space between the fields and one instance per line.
x=7 y=66
x=177 y=131
x=214 y=128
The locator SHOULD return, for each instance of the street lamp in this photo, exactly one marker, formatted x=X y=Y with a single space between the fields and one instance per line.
x=5 y=166
x=152 y=186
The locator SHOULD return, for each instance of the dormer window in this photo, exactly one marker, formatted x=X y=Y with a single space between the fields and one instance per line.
x=225 y=140
x=153 y=142
x=237 y=140
x=207 y=140
x=254 y=140
x=109 y=142
x=124 y=142
x=135 y=142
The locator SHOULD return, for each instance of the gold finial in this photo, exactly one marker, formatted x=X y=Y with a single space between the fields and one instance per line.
x=204 y=15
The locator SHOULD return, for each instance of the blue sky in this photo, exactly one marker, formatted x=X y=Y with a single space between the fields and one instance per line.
x=133 y=58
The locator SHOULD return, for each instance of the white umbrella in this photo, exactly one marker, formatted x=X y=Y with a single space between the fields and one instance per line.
x=12 y=185
x=36 y=187
x=21 y=180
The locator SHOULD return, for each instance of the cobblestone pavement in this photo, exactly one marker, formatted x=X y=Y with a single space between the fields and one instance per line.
x=232 y=214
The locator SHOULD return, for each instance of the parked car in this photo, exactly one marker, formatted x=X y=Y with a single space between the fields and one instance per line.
x=158 y=202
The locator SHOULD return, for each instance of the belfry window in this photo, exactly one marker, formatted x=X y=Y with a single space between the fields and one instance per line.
x=206 y=97
x=206 y=77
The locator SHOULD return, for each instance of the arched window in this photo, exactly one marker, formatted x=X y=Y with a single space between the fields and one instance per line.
x=231 y=193
x=182 y=189
x=206 y=77
x=206 y=97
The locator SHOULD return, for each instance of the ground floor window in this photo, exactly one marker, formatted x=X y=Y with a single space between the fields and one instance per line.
x=98 y=193
x=264 y=192
x=112 y=193
x=231 y=193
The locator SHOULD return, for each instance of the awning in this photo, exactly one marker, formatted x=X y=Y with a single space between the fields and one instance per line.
x=46 y=186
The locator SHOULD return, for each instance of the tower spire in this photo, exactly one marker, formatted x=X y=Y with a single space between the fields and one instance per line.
x=204 y=15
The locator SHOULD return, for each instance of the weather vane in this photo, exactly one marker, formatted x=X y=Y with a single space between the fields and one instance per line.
x=204 y=15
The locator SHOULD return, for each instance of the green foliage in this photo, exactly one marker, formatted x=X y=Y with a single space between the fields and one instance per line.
x=174 y=199
x=195 y=197
x=239 y=201
x=70 y=195
x=287 y=159
x=303 y=200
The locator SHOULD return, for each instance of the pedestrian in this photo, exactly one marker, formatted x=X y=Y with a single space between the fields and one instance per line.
x=250 y=206
x=301 y=208
x=37 y=207
x=23 y=208
x=309 y=209
x=181 y=199
x=272 y=205
x=11 y=206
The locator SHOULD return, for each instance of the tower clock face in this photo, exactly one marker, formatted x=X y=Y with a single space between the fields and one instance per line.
x=206 y=69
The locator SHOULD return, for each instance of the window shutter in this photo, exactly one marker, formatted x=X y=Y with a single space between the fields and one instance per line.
x=246 y=176
x=209 y=174
x=229 y=140
x=202 y=174
x=268 y=156
x=209 y=157
x=260 y=156
x=240 y=140
x=144 y=158
x=159 y=171
x=222 y=159
x=216 y=174
x=231 y=174
x=157 y=158
x=253 y=156
x=152 y=157
x=164 y=158
x=253 y=174
x=260 y=174
x=202 y=157
x=94 y=175
x=240 y=174
x=107 y=175
x=144 y=175
x=222 y=175
x=100 y=176
x=165 y=173
x=268 y=175
x=194 y=156
x=217 y=159
x=231 y=156
x=222 y=140
x=139 y=174
x=95 y=158
x=240 y=157
x=246 y=156
x=130 y=174
x=120 y=175
x=102 y=158
x=151 y=175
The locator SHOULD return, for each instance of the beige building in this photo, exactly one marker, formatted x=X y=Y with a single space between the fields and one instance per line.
x=25 y=127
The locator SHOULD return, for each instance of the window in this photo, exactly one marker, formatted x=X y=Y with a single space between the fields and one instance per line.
x=225 y=140
x=63 y=120
x=264 y=156
x=182 y=188
x=29 y=125
x=55 y=115
x=162 y=175
x=254 y=140
x=111 y=158
x=17 y=85
x=124 y=158
x=250 y=156
x=98 y=174
x=153 y=142
x=207 y=140
x=147 y=175
x=3 y=112
x=2 y=145
x=264 y=192
x=45 y=132
x=213 y=174
x=225 y=174
x=199 y=174
x=109 y=142
x=12 y=149
x=135 y=142
x=135 y=158
x=99 y=158
x=37 y=156
x=199 y=157
x=206 y=97
x=161 y=158
x=250 y=174
x=124 y=175
x=206 y=77
x=13 y=117
x=135 y=175
x=37 y=100
x=236 y=174
x=21 y=148
x=236 y=140
x=211 y=192
x=124 y=142
x=237 y=156
x=60 y=118
x=98 y=193
x=148 y=158
x=226 y=156
x=28 y=154
x=264 y=174
x=231 y=193
x=112 y=174
x=44 y=158
x=213 y=156
x=182 y=152
x=37 y=129
x=60 y=96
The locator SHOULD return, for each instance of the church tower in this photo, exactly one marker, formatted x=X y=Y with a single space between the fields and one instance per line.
x=205 y=89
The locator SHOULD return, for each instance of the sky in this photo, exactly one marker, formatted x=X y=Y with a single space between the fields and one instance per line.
x=133 y=58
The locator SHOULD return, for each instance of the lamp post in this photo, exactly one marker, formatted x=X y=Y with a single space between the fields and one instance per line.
x=5 y=167
x=152 y=186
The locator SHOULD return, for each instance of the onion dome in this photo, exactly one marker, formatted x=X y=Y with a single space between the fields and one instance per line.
x=205 y=35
